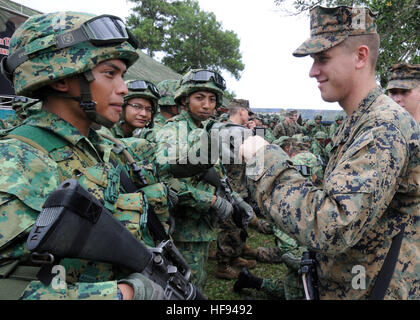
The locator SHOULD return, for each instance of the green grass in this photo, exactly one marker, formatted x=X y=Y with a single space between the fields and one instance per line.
x=220 y=289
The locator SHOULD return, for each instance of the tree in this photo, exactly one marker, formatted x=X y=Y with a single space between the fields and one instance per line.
x=187 y=36
x=398 y=24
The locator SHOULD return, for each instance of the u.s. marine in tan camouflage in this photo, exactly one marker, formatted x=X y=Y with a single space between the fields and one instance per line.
x=371 y=190
x=404 y=87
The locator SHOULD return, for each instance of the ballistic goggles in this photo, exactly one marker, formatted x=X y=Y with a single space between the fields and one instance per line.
x=206 y=76
x=101 y=30
x=142 y=85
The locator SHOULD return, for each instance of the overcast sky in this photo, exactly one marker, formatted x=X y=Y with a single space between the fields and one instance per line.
x=272 y=77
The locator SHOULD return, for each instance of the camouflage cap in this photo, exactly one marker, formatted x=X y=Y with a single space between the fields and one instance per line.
x=291 y=113
x=403 y=76
x=331 y=26
x=242 y=103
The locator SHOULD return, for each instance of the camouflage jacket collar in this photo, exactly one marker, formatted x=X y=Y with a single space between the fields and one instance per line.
x=62 y=128
x=159 y=119
x=185 y=116
x=343 y=132
x=117 y=130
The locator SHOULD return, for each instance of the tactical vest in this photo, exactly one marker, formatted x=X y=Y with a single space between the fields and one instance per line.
x=102 y=179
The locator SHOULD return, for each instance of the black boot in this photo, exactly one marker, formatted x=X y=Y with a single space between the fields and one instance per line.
x=247 y=280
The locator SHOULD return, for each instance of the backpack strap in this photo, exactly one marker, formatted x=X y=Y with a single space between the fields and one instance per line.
x=38 y=138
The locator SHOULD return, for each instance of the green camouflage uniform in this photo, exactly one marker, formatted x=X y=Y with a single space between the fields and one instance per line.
x=194 y=228
x=230 y=242
x=158 y=121
x=370 y=191
x=31 y=172
x=333 y=128
x=32 y=175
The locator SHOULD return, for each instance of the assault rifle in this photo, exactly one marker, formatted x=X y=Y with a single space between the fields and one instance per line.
x=74 y=224
x=224 y=189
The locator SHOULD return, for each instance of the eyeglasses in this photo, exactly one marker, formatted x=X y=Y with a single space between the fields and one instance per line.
x=99 y=31
x=139 y=107
x=142 y=85
x=205 y=76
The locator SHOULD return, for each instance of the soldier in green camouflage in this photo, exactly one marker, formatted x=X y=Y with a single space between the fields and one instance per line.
x=230 y=240
x=318 y=126
x=337 y=121
x=167 y=105
x=404 y=87
x=79 y=79
x=362 y=223
x=200 y=204
x=269 y=136
x=307 y=127
x=139 y=108
x=318 y=147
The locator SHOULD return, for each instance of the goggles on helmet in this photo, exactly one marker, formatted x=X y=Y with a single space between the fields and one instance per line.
x=99 y=31
x=205 y=76
x=141 y=85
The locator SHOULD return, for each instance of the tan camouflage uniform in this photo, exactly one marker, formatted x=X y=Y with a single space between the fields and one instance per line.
x=371 y=188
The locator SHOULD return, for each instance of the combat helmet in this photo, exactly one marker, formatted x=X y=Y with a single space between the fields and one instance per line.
x=339 y=117
x=142 y=89
x=200 y=79
x=53 y=46
x=320 y=135
x=167 y=90
x=318 y=116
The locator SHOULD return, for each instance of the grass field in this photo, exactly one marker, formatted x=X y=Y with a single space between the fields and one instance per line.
x=220 y=289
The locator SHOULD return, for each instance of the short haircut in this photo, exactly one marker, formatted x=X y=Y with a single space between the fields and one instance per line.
x=372 y=41
x=234 y=110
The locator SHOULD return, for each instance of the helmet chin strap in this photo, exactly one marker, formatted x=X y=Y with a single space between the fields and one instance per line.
x=87 y=104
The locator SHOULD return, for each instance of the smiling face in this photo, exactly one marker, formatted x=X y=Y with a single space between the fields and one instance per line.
x=334 y=70
x=108 y=88
x=138 y=112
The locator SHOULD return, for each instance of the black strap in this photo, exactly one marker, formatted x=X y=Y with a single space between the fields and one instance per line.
x=387 y=270
x=154 y=225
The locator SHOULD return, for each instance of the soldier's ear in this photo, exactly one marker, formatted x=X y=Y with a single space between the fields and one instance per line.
x=61 y=85
x=362 y=57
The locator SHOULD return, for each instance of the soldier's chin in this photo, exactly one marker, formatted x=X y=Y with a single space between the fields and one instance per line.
x=199 y=117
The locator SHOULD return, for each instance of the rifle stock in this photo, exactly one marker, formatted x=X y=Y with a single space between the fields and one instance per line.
x=74 y=224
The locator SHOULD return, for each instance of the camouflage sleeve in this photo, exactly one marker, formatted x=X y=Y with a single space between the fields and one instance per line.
x=354 y=197
x=188 y=193
x=181 y=153
x=78 y=291
x=190 y=196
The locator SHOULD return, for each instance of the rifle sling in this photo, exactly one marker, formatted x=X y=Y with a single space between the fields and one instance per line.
x=154 y=225
x=387 y=270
